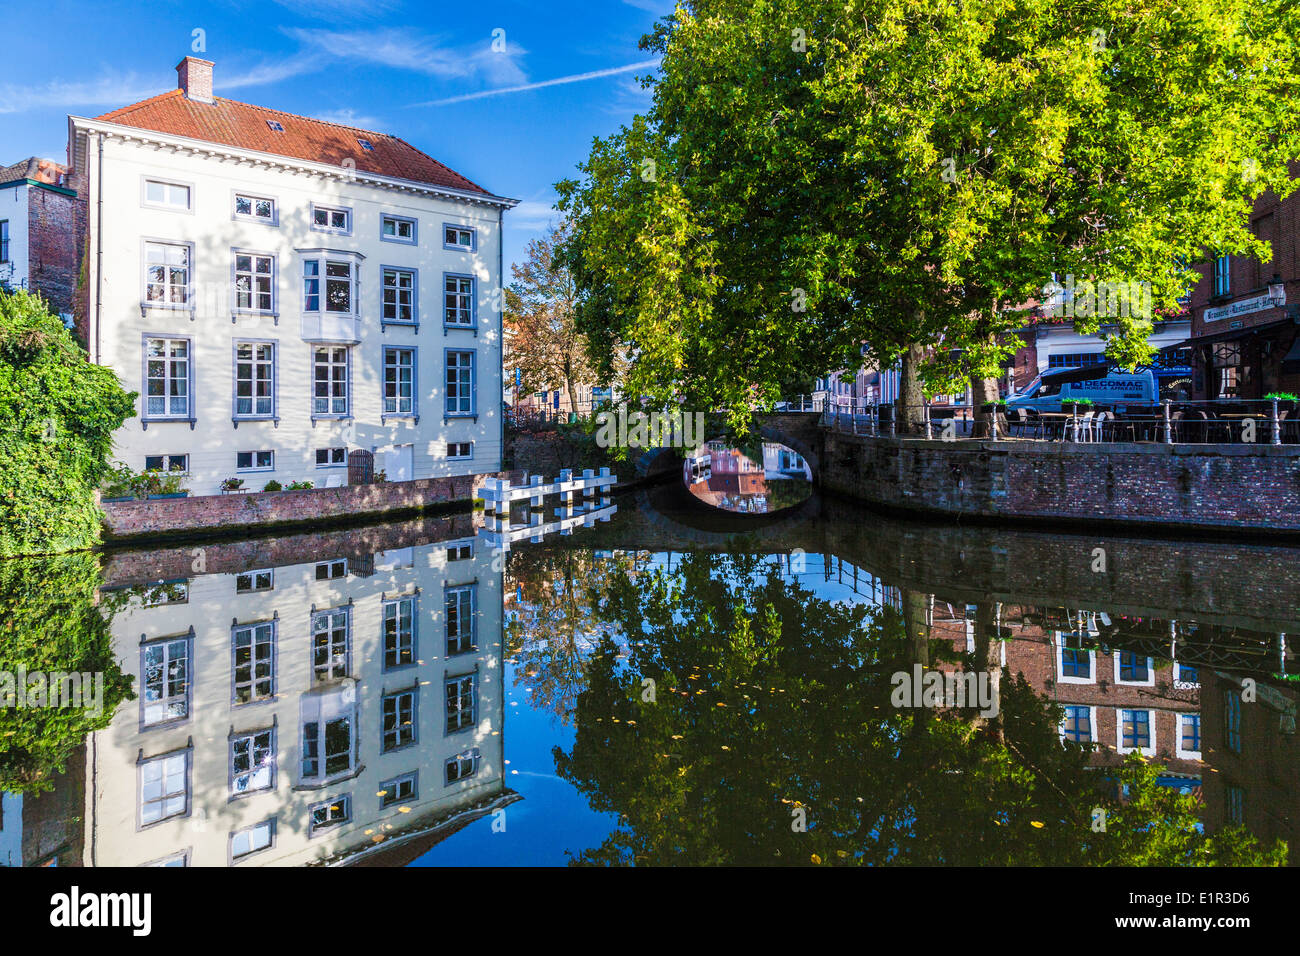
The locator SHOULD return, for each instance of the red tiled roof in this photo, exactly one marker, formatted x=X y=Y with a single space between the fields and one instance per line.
x=244 y=126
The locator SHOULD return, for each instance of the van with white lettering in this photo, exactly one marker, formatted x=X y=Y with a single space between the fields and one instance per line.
x=1112 y=389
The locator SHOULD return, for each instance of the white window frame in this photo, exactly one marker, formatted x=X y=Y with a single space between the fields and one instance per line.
x=1092 y=723
x=313 y=828
x=255 y=630
x=385 y=218
x=330 y=209
x=448 y=411
x=407 y=637
x=456 y=592
x=167 y=304
x=167 y=460
x=1178 y=736
x=397 y=272
x=254 y=199
x=248 y=833
x=1147 y=751
x=256 y=363
x=253 y=273
x=166 y=764
x=466 y=301
x=412 y=409
x=331 y=363
x=1151 y=673
x=168 y=378
x=146 y=180
x=1060 y=663
x=459 y=444
x=458 y=247
x=330 y=454
x=473 y=756
x=330 y=668
x=322 y=261
x=389 y=796
x=408 y=737
x=456 y=679
x=264 y=771
x=254 y=576
x=254 y=466
x=167 y=645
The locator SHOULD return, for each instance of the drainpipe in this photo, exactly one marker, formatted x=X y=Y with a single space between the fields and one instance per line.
x=99 y=238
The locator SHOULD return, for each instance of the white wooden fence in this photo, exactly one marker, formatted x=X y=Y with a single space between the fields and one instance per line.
x=498 y=493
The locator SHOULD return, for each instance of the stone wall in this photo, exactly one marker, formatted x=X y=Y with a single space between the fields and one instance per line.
x=1247 y=488
x=234 y=512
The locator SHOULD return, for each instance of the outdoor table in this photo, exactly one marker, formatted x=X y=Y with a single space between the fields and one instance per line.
x=1241 y=418
x=1052 y=419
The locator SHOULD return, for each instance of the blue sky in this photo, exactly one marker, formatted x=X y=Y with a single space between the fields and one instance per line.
x=425 y=72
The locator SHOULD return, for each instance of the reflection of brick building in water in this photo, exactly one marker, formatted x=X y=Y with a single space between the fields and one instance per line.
x=1125 y=700
x=1252 y=755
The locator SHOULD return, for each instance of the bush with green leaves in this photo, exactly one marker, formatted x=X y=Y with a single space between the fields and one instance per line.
x=58 y=413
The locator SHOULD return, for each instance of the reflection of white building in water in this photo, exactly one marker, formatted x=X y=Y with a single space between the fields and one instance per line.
x=306 y=713
x=782 y=462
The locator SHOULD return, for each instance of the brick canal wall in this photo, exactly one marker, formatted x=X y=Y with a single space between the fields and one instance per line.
x=225 y=513
x=1252 y=488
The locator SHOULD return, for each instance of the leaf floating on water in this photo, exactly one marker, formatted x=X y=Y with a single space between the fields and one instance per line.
x=1035 y=823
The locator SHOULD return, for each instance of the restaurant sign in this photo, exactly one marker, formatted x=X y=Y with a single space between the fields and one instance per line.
x=1244 y=307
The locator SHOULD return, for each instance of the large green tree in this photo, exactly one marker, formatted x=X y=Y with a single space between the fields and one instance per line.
x=58 y=413
x=814 y=175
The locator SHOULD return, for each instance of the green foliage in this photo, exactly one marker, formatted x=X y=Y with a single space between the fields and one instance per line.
x=122 y=482
x=1282 y=396
x=300 y=486
x=769 y=700
x=273 y=485
x=49 y=621
x=58 y=413
x=232 y=484
x=912 y=171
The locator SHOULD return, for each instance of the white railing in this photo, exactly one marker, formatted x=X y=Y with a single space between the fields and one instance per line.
x=498 y=493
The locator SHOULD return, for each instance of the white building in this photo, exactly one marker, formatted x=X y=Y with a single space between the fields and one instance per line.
x=303 y=713
x=281 y=291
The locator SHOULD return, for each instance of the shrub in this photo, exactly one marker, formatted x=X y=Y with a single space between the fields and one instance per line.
x=300 y=486
x=273 y=485
x=58 y=413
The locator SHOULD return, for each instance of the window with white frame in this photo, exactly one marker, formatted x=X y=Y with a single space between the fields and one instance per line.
x=327 y=747
x=398 y=790
x=255 y=208
x=459 y=606
x=399 y=381
x=255 y=461
x=253 y=651
x=164 y=787
x=330 y=391
x=254 y=379
x=397 y=715
x=398 y=295
x=329 y=570
x=166 y=274
x=167 y=378
x=250 y=840
x=460 y=382
x=165 y=680
x=1075 y=663
x=170 y=463
x=331 y=457
x=464 y=764
x=399 y=632
x=461 y=703
x=252 y=761
x=331 y=638
x=460 y=449
x=458 y=237
x=397 y=229
x=330 y=283
x=262 y=579
x=460 y=552
x=1189 y=736
x=331 y=219
x=458 y=300
x=166 y=195
x=332 y=813
x=1077 y=725
x=1137 y=731
x=254 y=282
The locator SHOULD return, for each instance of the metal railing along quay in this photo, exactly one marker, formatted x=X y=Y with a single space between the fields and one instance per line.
x=1219 y=421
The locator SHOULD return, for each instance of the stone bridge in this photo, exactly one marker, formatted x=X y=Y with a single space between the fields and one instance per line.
x=798 y=431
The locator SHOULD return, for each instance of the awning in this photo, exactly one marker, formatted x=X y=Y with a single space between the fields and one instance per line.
x=1291 y=363
x=1228 y=335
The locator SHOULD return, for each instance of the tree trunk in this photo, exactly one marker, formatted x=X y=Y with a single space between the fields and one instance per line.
x=984 y=391
x=915 y=605
x=988 y=658
x=909 y=409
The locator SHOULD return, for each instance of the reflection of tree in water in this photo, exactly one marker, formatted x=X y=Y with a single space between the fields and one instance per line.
x=51 y=623
x=769 y=701
x=551 y=620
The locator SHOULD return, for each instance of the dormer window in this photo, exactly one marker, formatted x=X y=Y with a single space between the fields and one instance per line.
x=275 y=126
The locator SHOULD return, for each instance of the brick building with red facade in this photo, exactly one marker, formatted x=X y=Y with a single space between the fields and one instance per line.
x=42 y=231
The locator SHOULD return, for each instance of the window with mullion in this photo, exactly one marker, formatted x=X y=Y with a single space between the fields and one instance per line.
x=459 y=605
x=167 y=378
x=460 y=382
x=398 y=296
x=458 y=300
x=331 y=644
x=252 y=761
x=399 y=632
x=165 y=680
x=398 y=716
x=460 y=703
x=1223 y=275
x=253 y=647
x=399 y=381
x=254 y=282
x=1133 y=667
x=164 y=787
x=326 y=747
x=1136 y=729
x=1078 y=723
x=254 y=379
x=330 y=381
x=167 y=273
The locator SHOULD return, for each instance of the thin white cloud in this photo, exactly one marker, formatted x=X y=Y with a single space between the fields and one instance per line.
x=350 y=117
x=533 y=215
x=558 y=81
x=272 y=71
x=333 y=9
x=112 y=89
x=400 y=50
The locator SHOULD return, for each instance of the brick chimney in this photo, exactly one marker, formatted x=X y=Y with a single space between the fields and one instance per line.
x=194 y=76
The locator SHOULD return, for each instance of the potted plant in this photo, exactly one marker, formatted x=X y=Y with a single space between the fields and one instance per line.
x=273 y=485
x=230 y=485
x=169 y=486
x=120 y=484
x=1286 y=401
x=300 y=486
x=381 y=477
x=1076 y=405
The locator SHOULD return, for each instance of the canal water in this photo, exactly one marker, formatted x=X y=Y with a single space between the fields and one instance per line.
x=653 y=682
